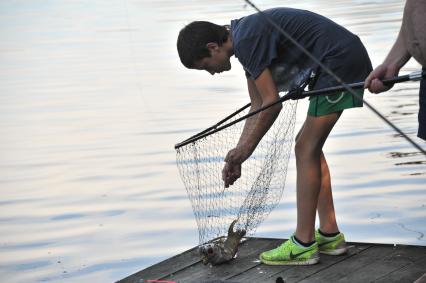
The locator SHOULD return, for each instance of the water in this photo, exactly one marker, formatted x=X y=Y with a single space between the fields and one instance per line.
x=93 y=99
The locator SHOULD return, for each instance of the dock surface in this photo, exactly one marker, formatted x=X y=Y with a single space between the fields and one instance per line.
x=363 y=263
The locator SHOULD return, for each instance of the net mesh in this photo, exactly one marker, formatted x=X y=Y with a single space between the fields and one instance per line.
x=253 y=196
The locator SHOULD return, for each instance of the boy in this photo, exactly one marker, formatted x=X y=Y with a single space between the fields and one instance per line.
x=268 y=57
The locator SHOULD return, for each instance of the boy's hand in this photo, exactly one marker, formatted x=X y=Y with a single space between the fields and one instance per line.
x=232 y=169
x=230 y=173
x=373 y=81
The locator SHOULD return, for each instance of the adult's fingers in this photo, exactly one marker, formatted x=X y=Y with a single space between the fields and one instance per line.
x=380 y=72
x=377 y=86
x=368 y=80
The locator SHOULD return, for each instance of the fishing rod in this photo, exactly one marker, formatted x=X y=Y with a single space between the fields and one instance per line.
x=332 y=74
x=296 y=94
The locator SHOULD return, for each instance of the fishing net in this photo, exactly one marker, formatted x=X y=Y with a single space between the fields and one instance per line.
x=259 y=189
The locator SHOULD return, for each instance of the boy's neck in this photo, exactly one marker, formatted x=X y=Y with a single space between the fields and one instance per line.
x=228 y=45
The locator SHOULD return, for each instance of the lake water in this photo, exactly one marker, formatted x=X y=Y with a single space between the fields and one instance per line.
x=92 y=100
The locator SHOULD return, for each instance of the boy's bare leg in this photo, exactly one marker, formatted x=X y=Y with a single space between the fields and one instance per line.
x=325 y=205
x=308 y=163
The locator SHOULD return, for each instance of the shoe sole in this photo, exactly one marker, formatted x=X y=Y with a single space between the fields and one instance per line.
x=340 y=251
x=304 y=262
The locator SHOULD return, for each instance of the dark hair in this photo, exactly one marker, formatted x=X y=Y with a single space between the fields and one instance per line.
x=193 y=38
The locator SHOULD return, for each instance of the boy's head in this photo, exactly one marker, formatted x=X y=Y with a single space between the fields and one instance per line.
x=205 y=46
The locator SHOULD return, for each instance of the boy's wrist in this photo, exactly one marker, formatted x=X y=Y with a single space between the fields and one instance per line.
x=248 y=148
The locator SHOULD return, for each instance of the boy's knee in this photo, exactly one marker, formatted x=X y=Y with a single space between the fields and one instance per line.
x=305 y=149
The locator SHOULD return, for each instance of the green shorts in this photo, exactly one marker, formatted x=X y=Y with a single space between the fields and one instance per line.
x=326 y=104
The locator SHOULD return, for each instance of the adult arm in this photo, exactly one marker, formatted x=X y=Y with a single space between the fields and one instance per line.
x=262 y=92
x=390 y=67
x=398 y=55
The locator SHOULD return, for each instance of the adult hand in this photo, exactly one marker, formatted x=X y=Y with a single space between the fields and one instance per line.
x=374 y=81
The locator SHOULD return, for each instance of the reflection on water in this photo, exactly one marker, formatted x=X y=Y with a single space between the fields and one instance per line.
x=93 y=98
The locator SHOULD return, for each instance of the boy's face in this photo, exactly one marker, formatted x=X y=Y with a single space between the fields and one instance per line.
x=218 y=62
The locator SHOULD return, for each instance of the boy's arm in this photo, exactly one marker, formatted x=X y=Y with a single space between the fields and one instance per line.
x=268 y=94
x=266 y=89
x=256 y=103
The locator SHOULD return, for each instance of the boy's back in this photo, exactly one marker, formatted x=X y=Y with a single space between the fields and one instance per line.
x=257 y=44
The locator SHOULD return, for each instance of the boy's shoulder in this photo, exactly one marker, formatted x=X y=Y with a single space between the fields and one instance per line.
x=256 y=25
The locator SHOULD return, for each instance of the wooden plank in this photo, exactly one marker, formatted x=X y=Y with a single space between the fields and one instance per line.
x=409 y=273
x=265 y=273
x=364 y=263
x=399 y=257
x=260 y=273
x=368 y=265
x=247 y=258
x=165 y=267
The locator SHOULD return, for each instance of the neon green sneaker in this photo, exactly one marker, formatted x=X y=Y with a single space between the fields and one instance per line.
x=290 y=253
x=331 y=245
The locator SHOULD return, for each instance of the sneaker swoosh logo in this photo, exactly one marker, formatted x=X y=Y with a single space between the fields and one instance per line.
x=293 y=256
x=325 y=243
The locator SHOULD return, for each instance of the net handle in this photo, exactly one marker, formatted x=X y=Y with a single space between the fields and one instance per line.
x=295 y=94
x=215 y=126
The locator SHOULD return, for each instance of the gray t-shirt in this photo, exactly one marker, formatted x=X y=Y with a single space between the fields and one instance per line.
x=258 y=45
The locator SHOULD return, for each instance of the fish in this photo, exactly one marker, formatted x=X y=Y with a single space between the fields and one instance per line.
x=222 y=251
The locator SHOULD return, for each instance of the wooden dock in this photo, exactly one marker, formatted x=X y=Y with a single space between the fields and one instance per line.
x=363 y=263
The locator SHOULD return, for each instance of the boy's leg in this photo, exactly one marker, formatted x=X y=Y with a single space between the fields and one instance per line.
x=309 y=143
x=325 y=206
x=308 y=163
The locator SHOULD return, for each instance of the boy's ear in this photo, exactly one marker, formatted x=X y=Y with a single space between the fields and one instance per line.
x=212 y=45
